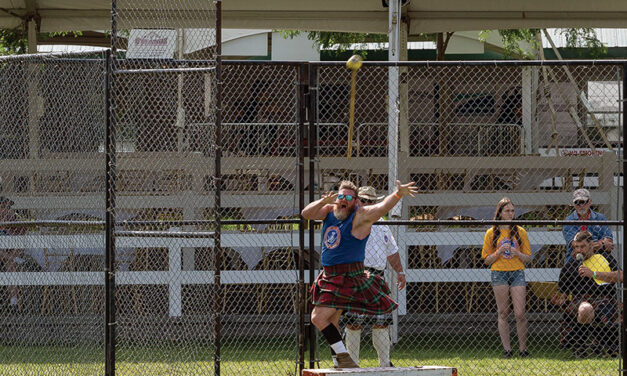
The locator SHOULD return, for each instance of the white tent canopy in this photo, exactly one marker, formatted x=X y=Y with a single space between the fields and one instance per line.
x=345 y=15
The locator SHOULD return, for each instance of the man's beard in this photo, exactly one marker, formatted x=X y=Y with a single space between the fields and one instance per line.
x=341 y=214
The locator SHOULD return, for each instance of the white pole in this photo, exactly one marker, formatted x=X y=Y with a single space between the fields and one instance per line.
x=394 y=29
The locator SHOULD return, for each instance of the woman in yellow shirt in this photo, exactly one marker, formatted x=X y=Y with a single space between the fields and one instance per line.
x=506 y=251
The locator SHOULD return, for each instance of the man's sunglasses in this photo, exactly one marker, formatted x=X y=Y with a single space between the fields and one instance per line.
x=345 y=197
x=581 y=202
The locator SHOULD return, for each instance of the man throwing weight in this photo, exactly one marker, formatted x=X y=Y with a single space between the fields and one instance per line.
x=344 y=285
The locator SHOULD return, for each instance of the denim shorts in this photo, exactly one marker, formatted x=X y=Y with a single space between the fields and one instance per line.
x=511 y=278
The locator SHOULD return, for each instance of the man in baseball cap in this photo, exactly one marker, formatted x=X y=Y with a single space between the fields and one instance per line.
x=581 y=194
x=603 y=240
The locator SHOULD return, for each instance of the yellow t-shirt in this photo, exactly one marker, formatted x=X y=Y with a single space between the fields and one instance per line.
x=507 y=262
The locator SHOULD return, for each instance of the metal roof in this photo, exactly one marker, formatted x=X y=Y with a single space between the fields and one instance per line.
x=346 y=15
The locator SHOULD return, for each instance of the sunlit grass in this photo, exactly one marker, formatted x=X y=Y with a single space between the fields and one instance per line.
x=278 y=357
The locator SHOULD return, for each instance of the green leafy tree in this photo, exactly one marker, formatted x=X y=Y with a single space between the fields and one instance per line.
x=577 y=39
x=339 y=41
x=584 y=39
x=15 y=41
x=511 y=39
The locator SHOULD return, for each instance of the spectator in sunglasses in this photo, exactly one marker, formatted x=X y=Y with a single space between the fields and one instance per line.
x=602 y=238
x=344 y=285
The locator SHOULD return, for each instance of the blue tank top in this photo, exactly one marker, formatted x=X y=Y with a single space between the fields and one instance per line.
x=339 y=246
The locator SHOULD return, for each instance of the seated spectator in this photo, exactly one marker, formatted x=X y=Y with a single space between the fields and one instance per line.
x=603 y=239
x=592 y=315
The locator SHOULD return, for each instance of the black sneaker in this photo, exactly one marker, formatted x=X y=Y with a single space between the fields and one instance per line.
x=507 y=354
x=524 y=354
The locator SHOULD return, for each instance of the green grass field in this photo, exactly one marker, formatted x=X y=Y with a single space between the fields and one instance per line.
x=279 y=357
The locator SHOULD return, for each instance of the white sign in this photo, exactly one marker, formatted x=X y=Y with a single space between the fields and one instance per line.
x=151 y=44
x=568 y=152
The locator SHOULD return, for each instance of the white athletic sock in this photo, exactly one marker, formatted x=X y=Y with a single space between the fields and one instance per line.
x=338 y=347
x=353 y=338
x=381 y=342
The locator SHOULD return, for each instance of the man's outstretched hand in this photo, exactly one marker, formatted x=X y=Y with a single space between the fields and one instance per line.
x=329 y=198
x=408 y=189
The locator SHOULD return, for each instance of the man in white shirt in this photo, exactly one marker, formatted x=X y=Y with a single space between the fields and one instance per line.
x=381 y=248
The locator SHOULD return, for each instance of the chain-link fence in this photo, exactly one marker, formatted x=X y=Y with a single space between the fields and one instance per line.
x=260 y=180
x=469 y=135
x=162 y=188
x=52 y=205
x=207 y=176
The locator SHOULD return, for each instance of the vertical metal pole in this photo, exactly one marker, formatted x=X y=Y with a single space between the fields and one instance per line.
x=619 y=152
x=394 y=22
x=217 y=307
x=624 y=293
x=110 y=162
x=302 y=109
x=110 y=177
x=312 y=154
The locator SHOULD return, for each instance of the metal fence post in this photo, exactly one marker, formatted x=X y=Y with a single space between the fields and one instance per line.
x=217 y=203
x=110 y=161
x=624 y=293
x=312 y=154
x=109 y=274
x=302 y=304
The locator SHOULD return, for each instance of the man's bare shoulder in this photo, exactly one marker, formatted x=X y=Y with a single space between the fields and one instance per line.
x=363 y=215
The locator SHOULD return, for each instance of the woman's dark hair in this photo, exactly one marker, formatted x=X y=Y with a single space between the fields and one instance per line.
x=496 y=231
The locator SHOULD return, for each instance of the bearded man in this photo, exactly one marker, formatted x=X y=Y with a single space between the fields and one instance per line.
x=343 y=284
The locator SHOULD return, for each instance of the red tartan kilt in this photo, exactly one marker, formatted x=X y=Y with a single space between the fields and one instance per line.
x=349 y=288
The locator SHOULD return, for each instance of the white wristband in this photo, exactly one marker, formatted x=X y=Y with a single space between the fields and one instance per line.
x=401 y=273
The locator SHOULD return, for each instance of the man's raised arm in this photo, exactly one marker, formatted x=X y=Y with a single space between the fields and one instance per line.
x=319 y=209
